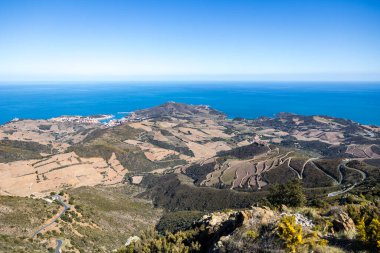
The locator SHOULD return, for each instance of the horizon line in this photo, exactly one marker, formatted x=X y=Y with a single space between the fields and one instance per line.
x=190 y=80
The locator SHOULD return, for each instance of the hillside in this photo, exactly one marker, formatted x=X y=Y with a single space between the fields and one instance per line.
x=189 y=160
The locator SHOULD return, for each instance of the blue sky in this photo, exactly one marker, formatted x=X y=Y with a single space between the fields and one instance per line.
x=189 y=39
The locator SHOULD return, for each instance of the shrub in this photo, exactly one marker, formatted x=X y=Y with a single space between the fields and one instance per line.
x=290 y=233
x=252 y=234
x=368 y=212
x=370 y=233
x=319 y=203
x=290 y=194
x=151 y=241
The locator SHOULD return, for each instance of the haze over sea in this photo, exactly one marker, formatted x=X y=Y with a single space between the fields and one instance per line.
x=356 y=101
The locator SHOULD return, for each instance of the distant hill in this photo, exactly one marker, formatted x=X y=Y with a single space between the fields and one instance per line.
x=173 y=109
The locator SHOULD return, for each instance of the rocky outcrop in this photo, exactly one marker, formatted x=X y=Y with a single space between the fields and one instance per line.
x=262 y=215
x=343 y=222
x=219 y=226
x=132 y=239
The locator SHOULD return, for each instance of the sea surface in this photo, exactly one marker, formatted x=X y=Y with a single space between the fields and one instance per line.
x=356 y=101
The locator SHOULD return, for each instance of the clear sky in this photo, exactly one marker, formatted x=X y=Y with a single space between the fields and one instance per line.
x=189 y=39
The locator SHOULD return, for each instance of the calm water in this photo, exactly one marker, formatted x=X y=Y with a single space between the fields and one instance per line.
x=357 y=101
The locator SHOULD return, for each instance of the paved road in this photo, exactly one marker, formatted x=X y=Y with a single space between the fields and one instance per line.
x=333 y=194
x=344 y=164
x=66 y=206
x=58 y=247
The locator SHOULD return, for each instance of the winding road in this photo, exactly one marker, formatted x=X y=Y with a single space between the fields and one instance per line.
x=65 y=207
x=344 y=164
x=58 y=247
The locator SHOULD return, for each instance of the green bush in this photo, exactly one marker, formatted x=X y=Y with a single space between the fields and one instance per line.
x=151 y=241
x=319 y=203
x=369 y=233
x=252 y=234
x=290 y=194
x=290 y=233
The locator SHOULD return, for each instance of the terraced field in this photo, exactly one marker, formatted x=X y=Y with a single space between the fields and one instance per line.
x=272 y=166
x=58 y=171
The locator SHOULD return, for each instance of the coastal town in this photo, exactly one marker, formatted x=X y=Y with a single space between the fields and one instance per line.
x=95 y=119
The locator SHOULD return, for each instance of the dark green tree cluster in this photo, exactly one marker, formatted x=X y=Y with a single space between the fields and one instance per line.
x=290 y=194
x=175 y=221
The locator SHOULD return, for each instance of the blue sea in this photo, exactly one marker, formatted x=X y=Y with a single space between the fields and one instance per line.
x=356 y=101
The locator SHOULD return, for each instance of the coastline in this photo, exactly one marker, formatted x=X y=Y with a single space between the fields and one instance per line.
x=355 y=101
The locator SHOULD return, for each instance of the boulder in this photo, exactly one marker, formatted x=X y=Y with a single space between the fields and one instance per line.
x=258 y=215
x=217 y=218
x=284 y=208
x=132 y=239
x=342 y=222
x=303 y=221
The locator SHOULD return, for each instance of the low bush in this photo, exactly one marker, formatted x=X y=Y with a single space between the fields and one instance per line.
x=151 y=241
x=290 y=233
x=294 y=238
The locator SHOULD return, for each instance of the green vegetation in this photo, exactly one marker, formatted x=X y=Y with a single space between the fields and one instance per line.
x=151 y=241
x=104 y=142
x=290 y=232
x=290 y=194
x=44 y=127
x=199 y=172
x=21 y=150
x=180 y=149
x=19 y=218
x=293 y=236
x=20 y=244
x=177 y=192
x=174 y=221
x=108 y=216
x=367 y=219
x=252 y=234
x=370 y=233
x=245 y=152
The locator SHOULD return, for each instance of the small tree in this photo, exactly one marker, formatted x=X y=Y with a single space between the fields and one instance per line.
x=291 y=194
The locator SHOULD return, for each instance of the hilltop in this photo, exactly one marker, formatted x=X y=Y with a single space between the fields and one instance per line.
x=178 y=110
